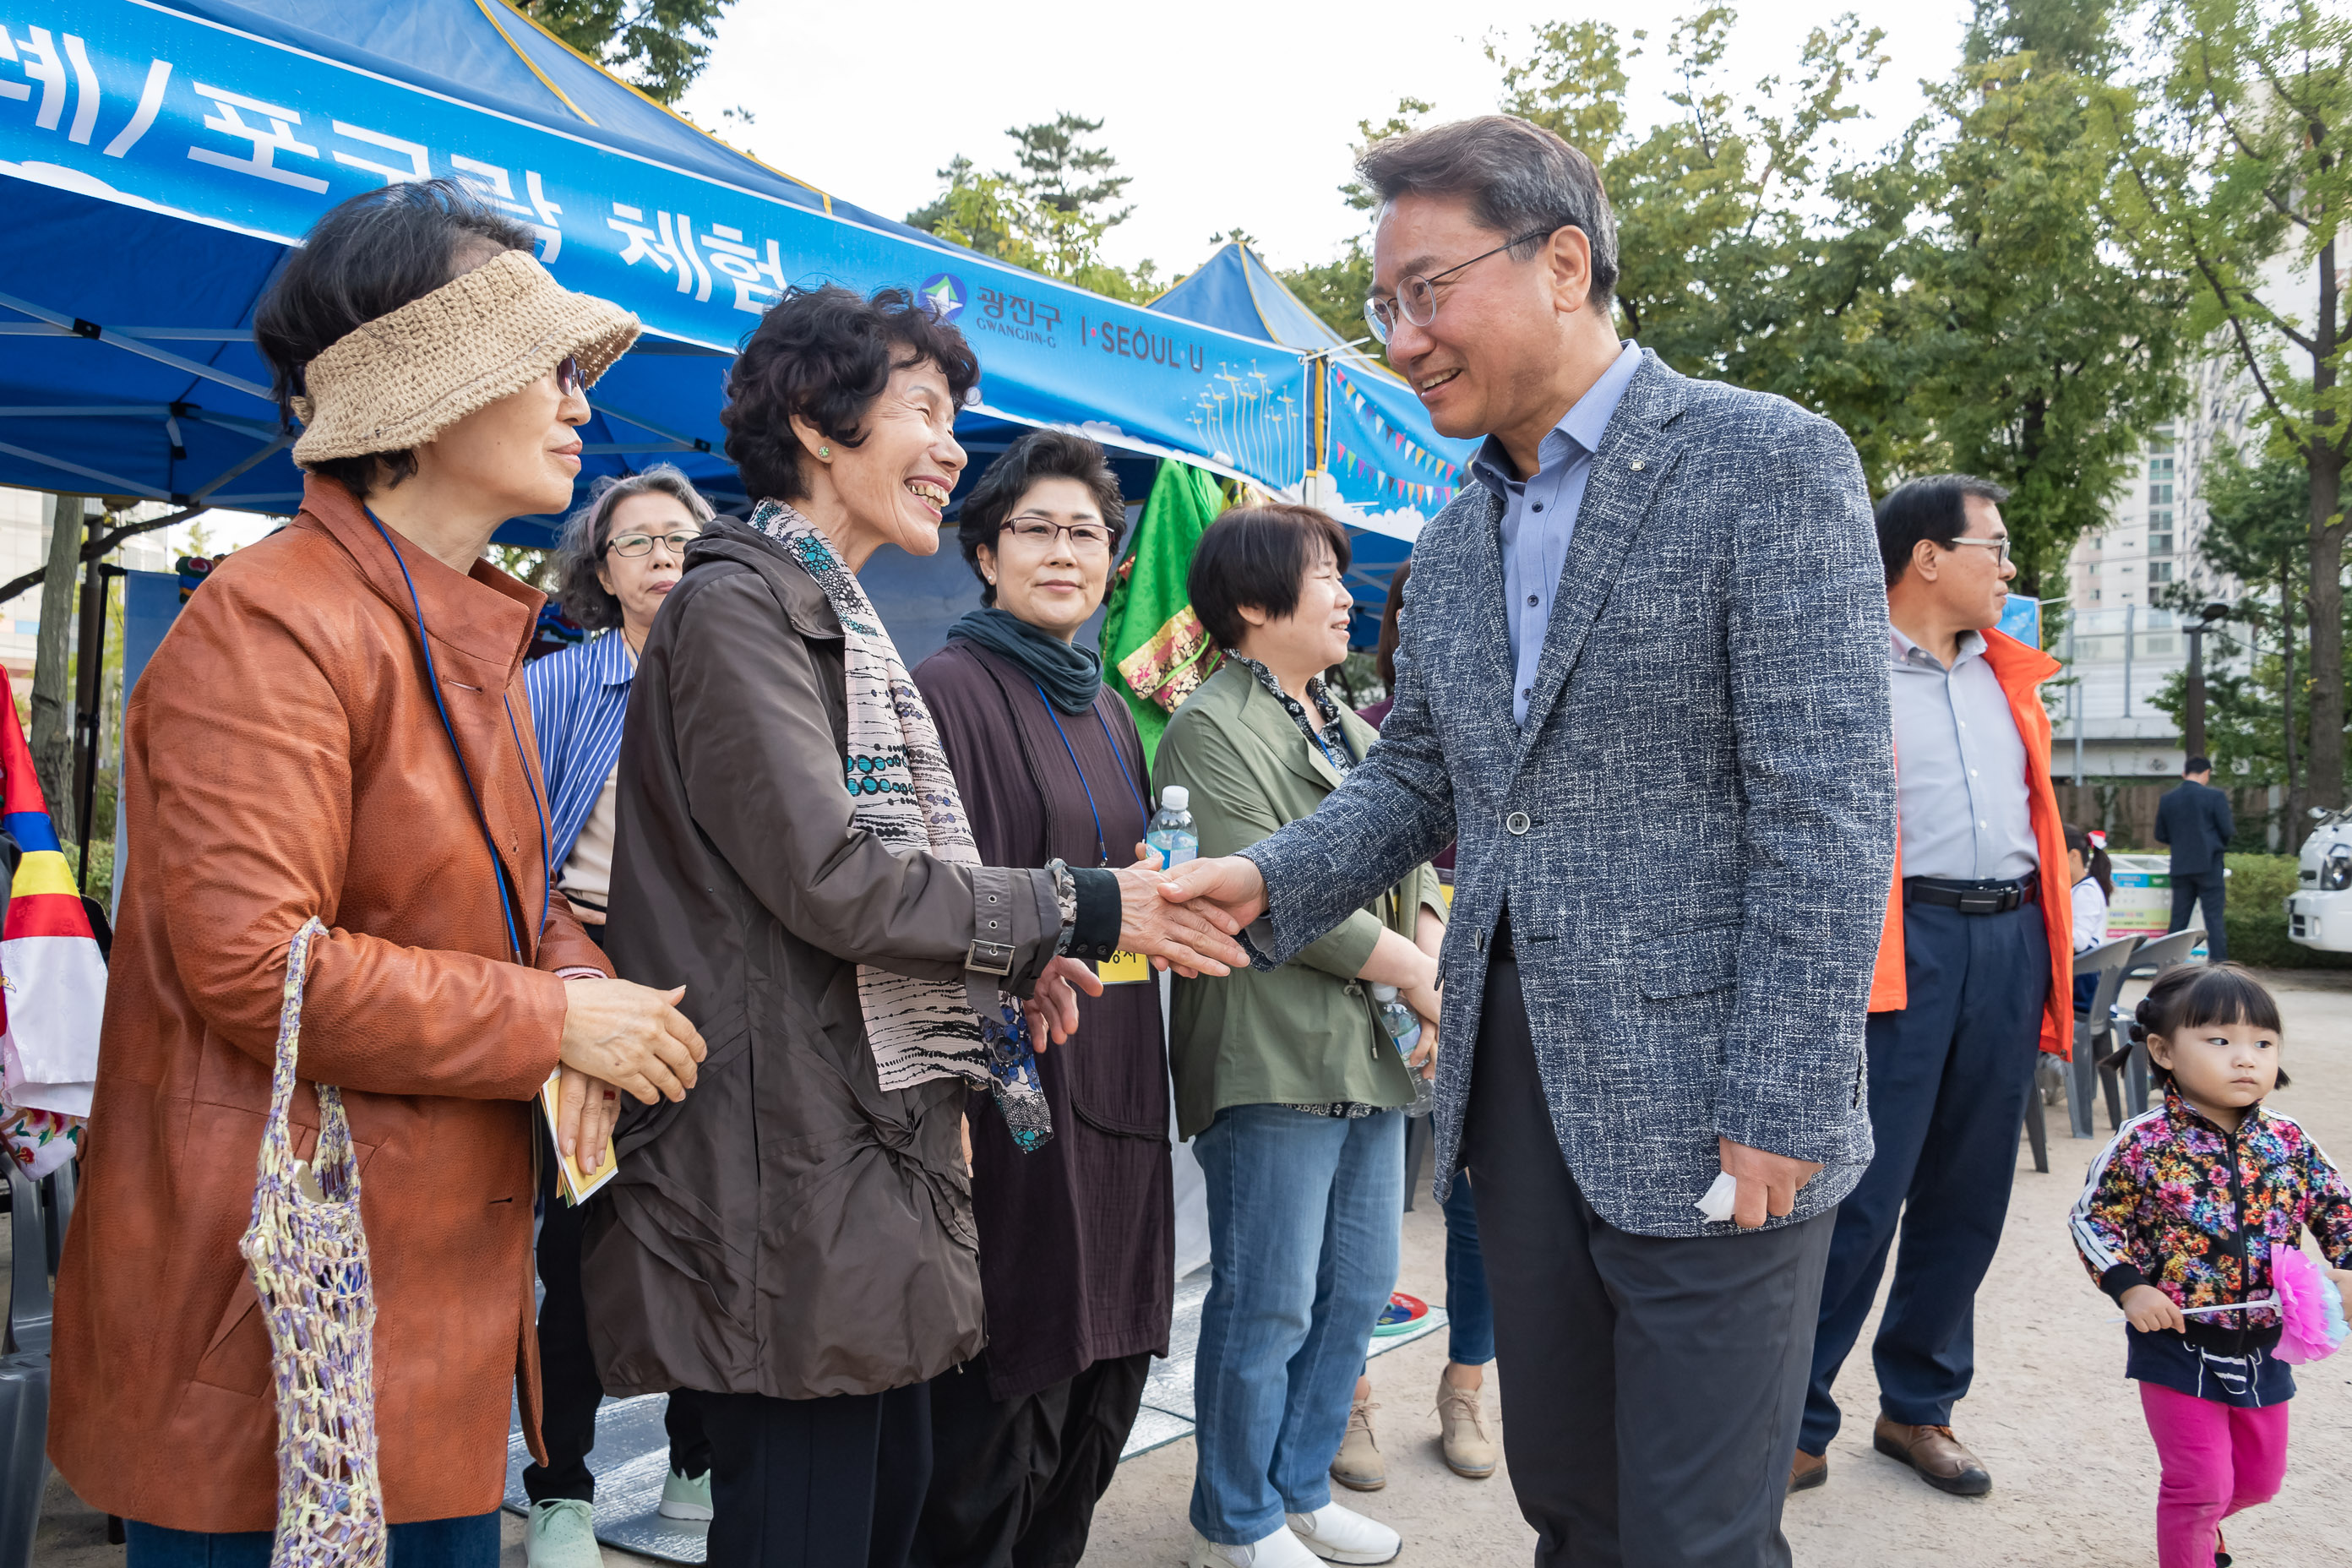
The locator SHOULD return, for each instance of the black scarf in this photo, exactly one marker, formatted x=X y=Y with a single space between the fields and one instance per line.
x=1069 y=675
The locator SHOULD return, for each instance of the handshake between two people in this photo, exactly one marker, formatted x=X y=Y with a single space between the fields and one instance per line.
x=1766 y=1184
x=622 y=1037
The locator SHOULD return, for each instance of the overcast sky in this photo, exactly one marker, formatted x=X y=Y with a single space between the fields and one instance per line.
x=1225 y=113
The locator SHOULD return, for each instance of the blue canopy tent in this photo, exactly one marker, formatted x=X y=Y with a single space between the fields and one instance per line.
x=160 y=162
x=1378 y=462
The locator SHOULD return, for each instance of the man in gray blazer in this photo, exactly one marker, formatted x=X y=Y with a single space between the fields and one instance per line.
x=1643 y=681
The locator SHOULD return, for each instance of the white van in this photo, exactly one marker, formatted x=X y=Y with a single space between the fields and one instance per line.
x=2319 y=910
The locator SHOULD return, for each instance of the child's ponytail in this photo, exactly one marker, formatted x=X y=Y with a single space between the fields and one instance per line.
x=2092 y=845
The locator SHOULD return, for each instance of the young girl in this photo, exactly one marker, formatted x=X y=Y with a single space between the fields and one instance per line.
x=2092 y=878
x=2180 y=1211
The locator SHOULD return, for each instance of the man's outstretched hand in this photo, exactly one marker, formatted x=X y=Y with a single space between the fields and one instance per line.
x=1191 y=938
x=1231 y=883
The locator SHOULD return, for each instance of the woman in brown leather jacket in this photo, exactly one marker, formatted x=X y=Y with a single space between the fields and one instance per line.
x=336 y=727
x=795 y=1239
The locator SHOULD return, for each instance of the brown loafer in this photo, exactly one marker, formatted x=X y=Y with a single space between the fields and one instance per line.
x=1935 y=1454
x=1807 y=1471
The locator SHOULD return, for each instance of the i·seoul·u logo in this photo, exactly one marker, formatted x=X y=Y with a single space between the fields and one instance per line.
x=942 y=295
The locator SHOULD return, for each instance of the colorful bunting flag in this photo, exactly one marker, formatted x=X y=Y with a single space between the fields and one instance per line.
x=52 y=979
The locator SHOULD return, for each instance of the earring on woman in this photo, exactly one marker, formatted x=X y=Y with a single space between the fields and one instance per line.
x=825 y=453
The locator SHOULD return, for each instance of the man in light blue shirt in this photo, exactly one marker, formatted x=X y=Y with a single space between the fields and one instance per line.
x=1642 y=684
x=1540 y=514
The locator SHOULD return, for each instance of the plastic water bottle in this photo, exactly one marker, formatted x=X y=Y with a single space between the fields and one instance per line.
x=1404 y=1025
x=1171 y=835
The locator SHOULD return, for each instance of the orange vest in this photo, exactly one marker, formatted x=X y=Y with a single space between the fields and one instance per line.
x=2021 y=671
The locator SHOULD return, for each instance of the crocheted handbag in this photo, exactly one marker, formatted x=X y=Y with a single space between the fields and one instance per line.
x=310 y=1262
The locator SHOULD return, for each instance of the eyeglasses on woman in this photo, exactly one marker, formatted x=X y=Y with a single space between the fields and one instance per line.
x=634 y=544
x=1086 y=538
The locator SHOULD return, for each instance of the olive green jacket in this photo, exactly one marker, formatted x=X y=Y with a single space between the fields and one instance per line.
x=1305 y=1034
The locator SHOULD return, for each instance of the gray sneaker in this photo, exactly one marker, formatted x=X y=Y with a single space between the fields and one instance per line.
x=561 y=1534
x=686 y=1497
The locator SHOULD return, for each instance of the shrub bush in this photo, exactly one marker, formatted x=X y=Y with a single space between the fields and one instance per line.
x=2256 y=916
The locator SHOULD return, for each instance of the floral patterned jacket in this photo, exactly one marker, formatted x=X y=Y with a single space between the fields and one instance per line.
x=2176 y=1203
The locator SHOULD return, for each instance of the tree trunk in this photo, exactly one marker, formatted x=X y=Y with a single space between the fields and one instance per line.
x=2324 y=455
x=53 y=705
x=2295 y=818
x=2326 y=756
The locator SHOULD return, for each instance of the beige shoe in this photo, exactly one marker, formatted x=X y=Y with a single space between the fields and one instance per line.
x=1462 y=1431
x=1359 y=1466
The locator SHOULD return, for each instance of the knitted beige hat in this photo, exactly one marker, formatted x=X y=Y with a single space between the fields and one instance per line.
x=398 y=381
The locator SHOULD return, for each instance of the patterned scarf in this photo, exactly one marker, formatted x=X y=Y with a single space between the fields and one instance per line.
x=901 y=792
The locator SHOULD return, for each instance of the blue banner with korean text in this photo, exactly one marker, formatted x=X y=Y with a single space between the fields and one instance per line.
x=234 y=135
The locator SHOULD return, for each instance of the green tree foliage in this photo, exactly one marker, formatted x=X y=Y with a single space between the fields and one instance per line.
x=1950 y=302
x=1745 y=254
x=657 y=45
x=2256 y=724
x=1049 y=214
x=2239 y=178
x=2039 y=351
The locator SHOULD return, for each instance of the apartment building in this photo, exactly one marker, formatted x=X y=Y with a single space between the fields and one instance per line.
x=2121 y=644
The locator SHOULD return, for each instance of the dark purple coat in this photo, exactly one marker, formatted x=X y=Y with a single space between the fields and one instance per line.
x=1077 y=1240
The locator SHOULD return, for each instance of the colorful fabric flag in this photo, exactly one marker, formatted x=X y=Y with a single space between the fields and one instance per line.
x=52 y=979
x=1152 y=644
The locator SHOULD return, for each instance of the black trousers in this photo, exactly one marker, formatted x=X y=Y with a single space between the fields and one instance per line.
x=1014 y=1482
x=2210 y=889
x=569 y=1388
x=817 y=1483
x=1651 y=1384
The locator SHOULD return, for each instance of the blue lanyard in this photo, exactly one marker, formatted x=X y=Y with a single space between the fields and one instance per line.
x=1321 y=746
x=481 y=819
x=1102 y=849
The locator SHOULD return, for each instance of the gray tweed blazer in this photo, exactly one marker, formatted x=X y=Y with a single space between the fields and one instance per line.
x=1694 y=831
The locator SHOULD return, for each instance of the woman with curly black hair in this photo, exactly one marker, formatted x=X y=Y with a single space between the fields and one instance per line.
x=797 y=1244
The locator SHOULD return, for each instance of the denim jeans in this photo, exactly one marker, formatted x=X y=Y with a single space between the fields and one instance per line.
x=1304 y=1215
x=1469 y=1310
x=468 y=1542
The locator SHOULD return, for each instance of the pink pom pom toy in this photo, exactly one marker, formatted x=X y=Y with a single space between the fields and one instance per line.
x=2309 y=1302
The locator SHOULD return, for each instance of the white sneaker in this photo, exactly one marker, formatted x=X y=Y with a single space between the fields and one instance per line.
x=1280 y=1550
x=1339 y=1534
x=686 y=1497
x=561 y=1534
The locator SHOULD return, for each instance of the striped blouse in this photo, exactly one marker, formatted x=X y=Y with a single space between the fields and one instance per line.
x=577 y=700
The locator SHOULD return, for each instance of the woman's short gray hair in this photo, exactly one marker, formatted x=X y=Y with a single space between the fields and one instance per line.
x=1517 y=178
x=582 y=549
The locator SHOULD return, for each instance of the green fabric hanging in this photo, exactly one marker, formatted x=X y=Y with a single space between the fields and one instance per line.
x=1154 y=648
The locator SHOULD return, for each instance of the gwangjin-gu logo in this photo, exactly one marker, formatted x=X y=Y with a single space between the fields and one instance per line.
x=942 y=295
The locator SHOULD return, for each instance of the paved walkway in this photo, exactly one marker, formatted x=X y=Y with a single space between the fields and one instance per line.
x=2051 y=1415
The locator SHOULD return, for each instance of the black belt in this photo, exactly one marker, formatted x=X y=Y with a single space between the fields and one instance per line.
x=1986 y=897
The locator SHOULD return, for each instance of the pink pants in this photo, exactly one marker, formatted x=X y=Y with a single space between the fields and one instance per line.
x=2217 y=1459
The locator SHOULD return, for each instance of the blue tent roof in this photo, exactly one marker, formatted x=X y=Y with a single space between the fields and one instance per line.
x=1387 y=463
x=495 y=55
x=159 y=161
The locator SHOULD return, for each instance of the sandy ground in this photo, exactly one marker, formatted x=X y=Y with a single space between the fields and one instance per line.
x=2051 y=1415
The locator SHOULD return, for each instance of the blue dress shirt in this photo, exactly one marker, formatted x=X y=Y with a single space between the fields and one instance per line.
x=577 y=701
x=1540 y=514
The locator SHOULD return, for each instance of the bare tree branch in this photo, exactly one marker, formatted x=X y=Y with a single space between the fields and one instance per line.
x=96 y=549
